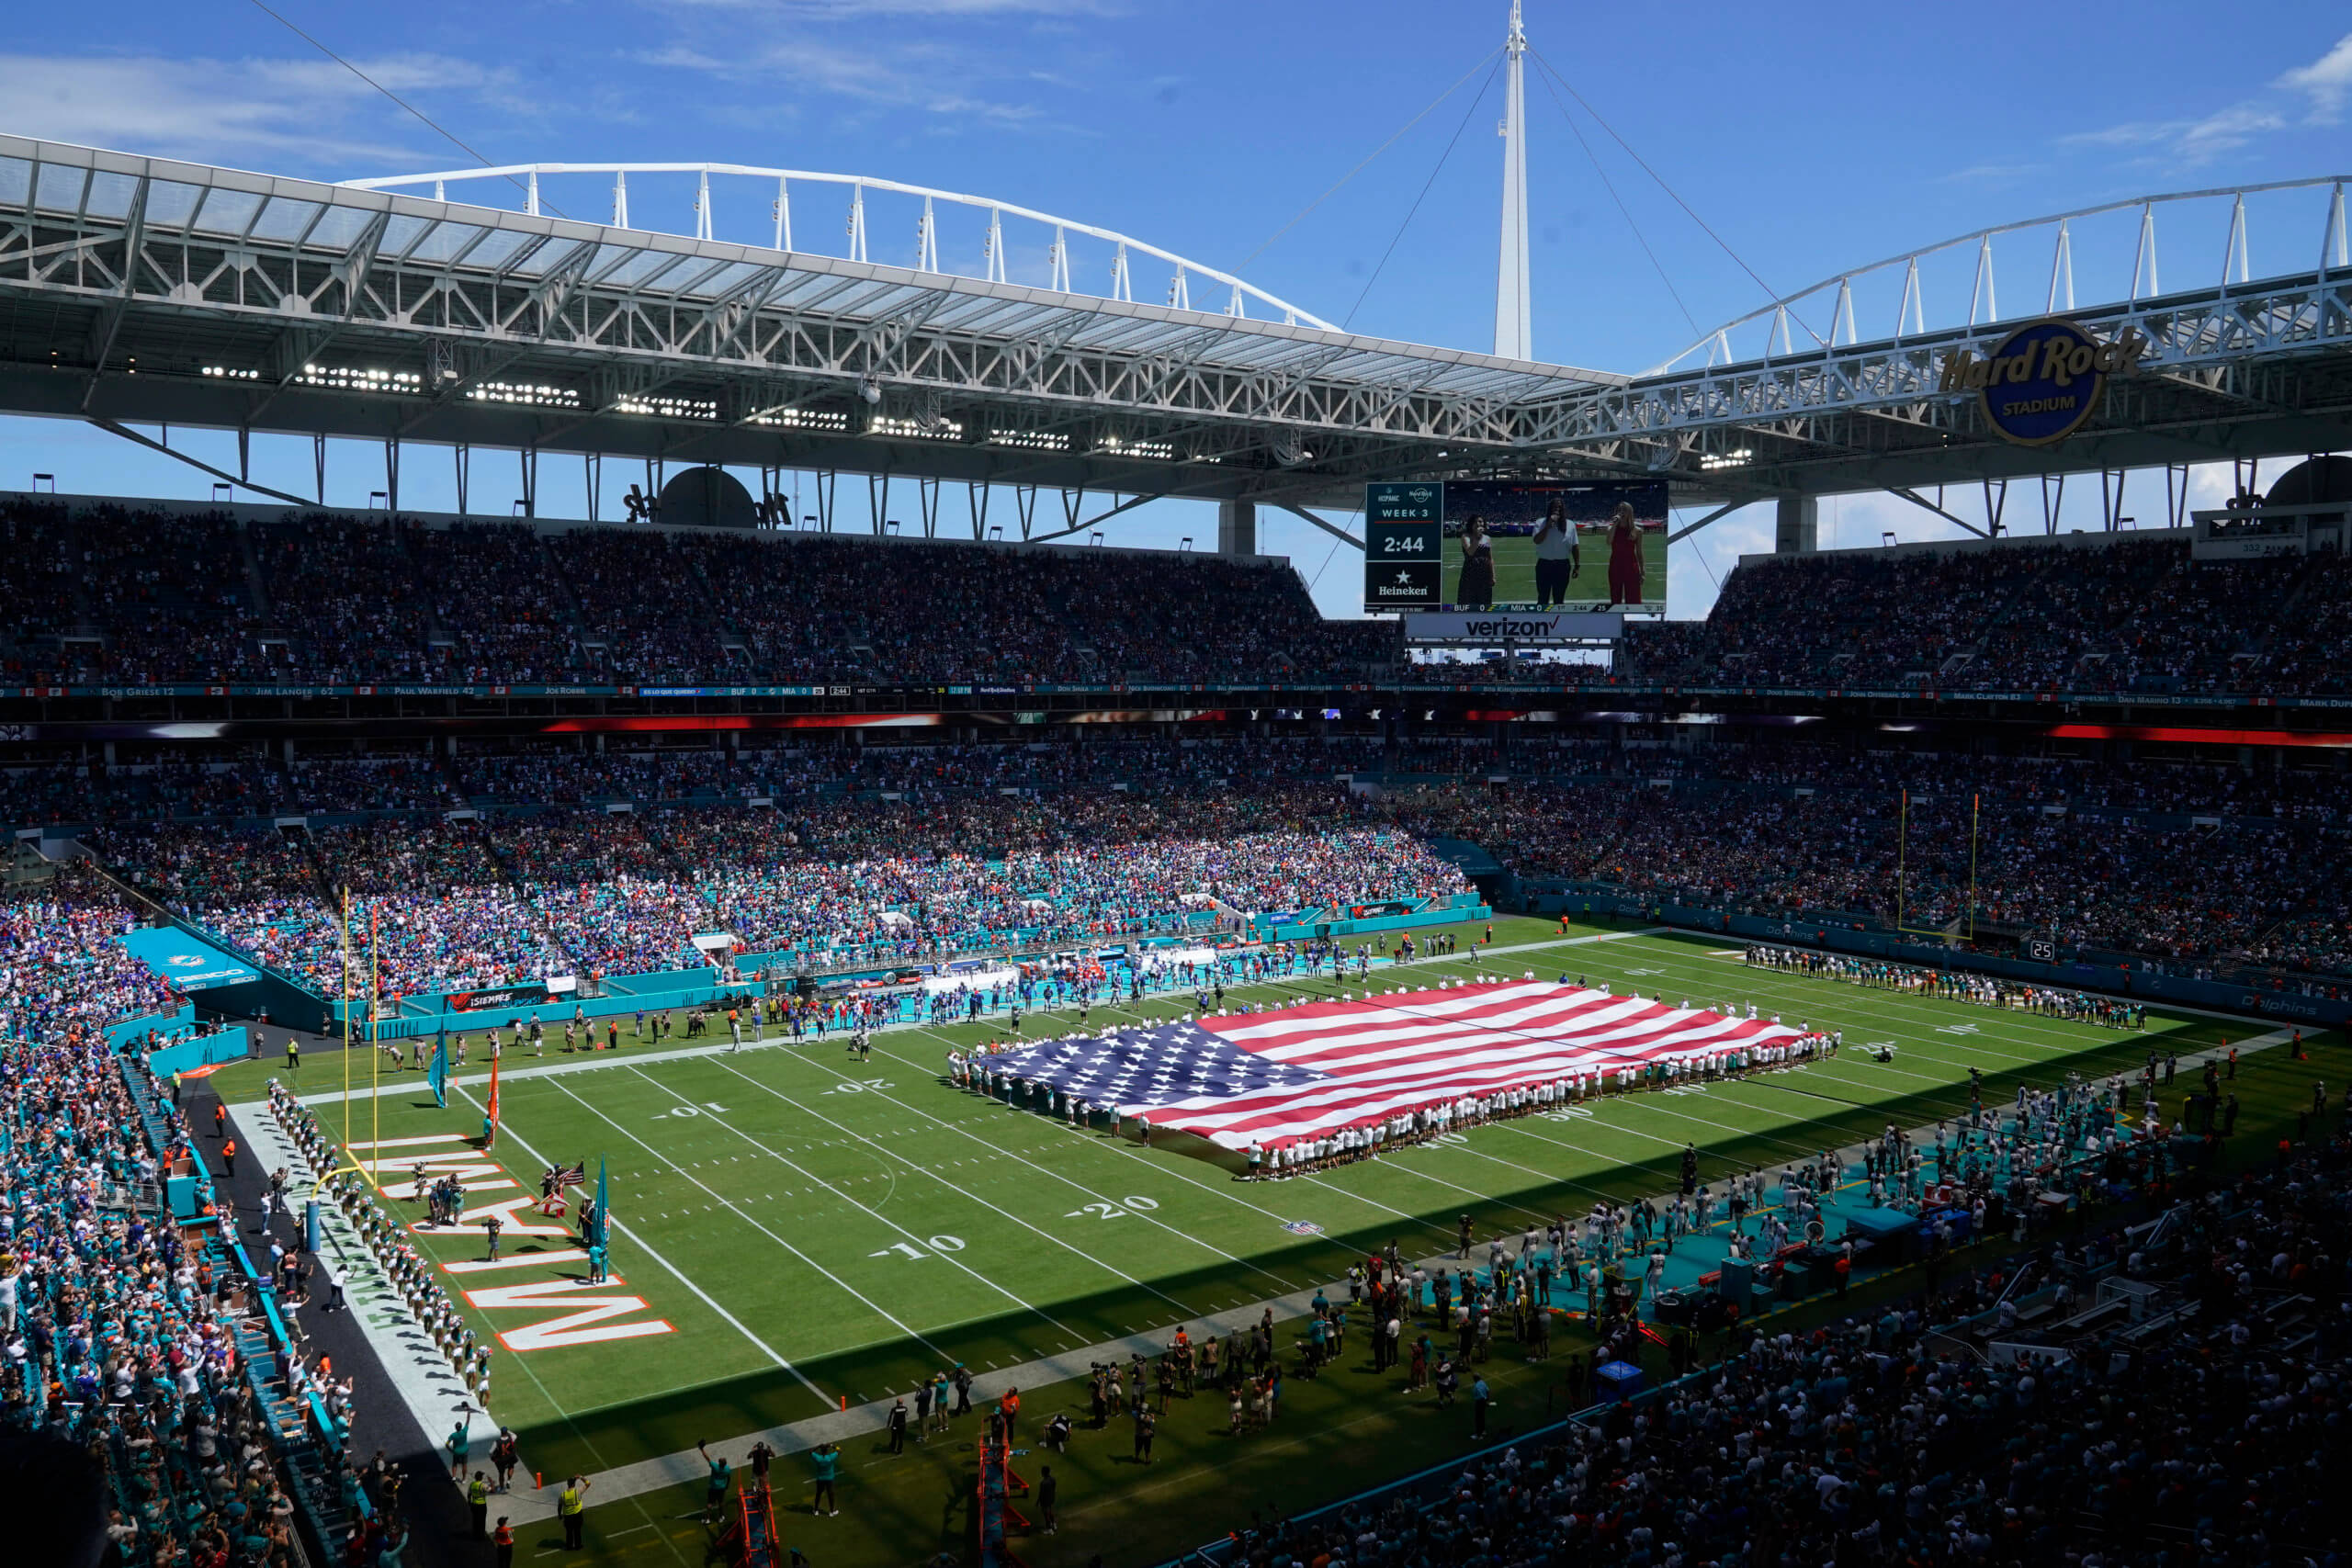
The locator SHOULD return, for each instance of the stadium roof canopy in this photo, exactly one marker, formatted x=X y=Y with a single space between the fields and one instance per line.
x=147 y=291
x=140 y=289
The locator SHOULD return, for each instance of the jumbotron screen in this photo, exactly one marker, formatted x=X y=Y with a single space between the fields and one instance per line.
x=1513 y=544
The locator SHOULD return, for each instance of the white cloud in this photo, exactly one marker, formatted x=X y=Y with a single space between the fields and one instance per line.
x=2326 y=82
x=2323 y=88
x=862 y=10
x=288 y=113
x=932 y=77
x=958 y=62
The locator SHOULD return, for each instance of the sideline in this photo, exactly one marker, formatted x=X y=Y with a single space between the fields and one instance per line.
x=412 y=1081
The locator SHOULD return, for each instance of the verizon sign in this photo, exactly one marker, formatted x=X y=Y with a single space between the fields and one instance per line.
x=1494 y=628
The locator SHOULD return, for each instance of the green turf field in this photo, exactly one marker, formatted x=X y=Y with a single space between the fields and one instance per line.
x=804 y=1230
x=1515 y=571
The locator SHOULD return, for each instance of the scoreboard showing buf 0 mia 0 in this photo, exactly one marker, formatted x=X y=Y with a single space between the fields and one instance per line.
x=1510 y=544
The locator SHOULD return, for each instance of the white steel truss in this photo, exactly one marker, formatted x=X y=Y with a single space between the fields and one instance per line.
x=134 y=289
x=245 y=300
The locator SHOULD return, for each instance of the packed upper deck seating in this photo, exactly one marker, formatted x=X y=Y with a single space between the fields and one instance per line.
x=151 y=595
x=2128 y=614
x=127 y=594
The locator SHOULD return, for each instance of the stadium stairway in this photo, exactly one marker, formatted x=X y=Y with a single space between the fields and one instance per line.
x=1474 y=860
x=418 y=1374
x=310 y=1439
x=260 y=1343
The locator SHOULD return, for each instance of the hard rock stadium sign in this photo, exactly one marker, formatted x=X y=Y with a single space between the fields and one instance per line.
x=2044 y=379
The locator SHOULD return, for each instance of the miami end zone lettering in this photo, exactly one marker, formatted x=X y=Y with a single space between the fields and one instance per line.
x=583 y=1312
x=586 y=1324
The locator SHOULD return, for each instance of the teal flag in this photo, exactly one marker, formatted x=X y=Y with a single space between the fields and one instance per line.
x=599 y=1238
x=437 y=1074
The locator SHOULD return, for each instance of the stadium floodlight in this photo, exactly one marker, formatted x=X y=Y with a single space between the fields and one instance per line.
x=871 y=392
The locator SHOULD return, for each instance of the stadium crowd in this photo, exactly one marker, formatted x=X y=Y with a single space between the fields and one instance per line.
x=125 y=594
x=911 y=851
x=130 y=1339
x=1885 y=1436
x=62 y=974
x=2175 y=861
x=153 y=595
x=2126 y=615
x=442 y=906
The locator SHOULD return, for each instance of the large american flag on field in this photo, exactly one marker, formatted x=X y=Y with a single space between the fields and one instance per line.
x=1271 y=1078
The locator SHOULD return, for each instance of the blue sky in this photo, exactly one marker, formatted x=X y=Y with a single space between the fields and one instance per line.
x=1807 y=139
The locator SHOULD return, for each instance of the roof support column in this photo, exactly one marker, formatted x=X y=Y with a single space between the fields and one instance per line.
x=1236 y=528
x=1796 y=526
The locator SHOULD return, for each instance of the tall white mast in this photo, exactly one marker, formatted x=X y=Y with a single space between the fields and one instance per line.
x=1511 y=336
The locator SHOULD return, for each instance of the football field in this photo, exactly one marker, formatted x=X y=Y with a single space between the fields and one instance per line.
x=792 y=1230
x=1514 y=557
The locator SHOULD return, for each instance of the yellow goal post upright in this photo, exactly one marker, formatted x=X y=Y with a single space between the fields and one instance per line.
x=1902 y=862
x=346 y=1160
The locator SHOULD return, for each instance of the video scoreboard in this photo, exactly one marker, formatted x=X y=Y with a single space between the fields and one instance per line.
x=1414 y=557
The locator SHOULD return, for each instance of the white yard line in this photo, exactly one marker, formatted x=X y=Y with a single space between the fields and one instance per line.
x=637 y=1241
x=805 y=1174
x=963 y=1131
x=738 y=1211
x=965 y=1192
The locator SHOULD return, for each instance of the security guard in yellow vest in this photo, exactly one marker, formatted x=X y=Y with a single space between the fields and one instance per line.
x=477 y=1502
x=568 y=1503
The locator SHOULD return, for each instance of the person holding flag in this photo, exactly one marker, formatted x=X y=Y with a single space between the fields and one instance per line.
x=553 y=1181
x=490 y=1114
x=599 y=1237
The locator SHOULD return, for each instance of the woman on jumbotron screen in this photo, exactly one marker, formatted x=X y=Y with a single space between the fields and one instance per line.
x=1624 y=558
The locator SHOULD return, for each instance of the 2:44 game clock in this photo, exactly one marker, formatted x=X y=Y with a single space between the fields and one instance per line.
x=1404 y=540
